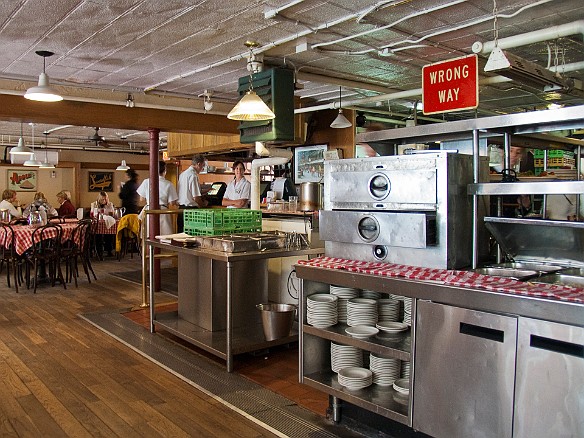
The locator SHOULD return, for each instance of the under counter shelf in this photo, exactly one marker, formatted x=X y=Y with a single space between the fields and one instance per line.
x=382 y=400
x=398 y=346
x=527 y=188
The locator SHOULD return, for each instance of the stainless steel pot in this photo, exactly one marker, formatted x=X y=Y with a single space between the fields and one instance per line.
x=310 y=196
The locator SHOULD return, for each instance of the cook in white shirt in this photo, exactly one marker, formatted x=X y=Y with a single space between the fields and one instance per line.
x=238 y=190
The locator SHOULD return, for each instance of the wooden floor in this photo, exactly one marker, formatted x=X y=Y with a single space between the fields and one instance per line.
x=62 y=377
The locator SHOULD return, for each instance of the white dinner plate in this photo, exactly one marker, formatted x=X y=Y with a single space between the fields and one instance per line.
x=361 y=331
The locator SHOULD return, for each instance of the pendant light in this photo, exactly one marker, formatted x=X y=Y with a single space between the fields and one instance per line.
x=341 y=121
x=43 y=92
x=21 y=149
x=45 y=164
x=32 y=161
x=251 y=107
x=123 y=166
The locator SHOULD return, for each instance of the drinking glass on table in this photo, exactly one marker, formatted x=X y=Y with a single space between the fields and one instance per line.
x=292 y=203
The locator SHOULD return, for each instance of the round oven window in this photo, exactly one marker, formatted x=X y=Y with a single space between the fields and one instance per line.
x=368 y=229
x=379 y=186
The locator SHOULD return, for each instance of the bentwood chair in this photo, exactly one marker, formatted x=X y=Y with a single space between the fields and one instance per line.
x=45 y=252
x=9 y=257
x=77 y=249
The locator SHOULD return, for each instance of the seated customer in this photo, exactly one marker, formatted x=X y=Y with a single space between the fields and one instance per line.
x=238 y=190
x=103 y=204
x=66 y=207
x=9 y=203
x=40 y=204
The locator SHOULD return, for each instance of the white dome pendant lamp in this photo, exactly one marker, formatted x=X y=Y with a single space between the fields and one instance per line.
x=43 y=92
x=341 y=121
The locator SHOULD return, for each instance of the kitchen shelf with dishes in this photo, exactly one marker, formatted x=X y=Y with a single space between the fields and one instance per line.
x=355 y=346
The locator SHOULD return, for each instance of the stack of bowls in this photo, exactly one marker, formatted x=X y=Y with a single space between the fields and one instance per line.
x=343 y=356
x=361 y=311
x=354 y=378
x=402 y=386
x=371 y=294
x=405 y=369
x=344 y=294
x=321 y=310
x=407 y=311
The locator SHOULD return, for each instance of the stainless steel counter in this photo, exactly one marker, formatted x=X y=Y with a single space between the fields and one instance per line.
x=533 y=307
x=213 y=287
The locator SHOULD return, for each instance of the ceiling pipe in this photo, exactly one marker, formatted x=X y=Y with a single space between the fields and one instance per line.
x=538 y=36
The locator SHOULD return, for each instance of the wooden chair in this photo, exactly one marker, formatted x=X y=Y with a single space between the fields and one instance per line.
x=76 y=249
x=9 y=257
x=45 y=251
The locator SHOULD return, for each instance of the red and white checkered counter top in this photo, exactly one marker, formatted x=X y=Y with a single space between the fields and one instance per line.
x=452 y=278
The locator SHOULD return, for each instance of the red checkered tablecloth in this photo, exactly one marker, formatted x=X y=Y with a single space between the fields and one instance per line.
x=103 y=229
x=452 y=277
x=23 y=235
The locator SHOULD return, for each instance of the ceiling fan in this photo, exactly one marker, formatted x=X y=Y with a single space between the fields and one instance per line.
x=101 y=141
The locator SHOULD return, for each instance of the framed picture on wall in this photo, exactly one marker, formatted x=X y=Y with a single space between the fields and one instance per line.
x=309 y=163
x=99 y=181
x=22 y=180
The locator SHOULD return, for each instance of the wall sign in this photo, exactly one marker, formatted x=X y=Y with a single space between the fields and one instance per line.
x=451 y=85
x=99 y=181
x=22 y=180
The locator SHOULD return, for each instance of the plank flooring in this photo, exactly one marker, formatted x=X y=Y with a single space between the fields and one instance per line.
x=62 y=377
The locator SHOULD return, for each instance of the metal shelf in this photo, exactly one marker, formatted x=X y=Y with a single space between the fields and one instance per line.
x=398 y=346
x=527 y=188
x=382 y=400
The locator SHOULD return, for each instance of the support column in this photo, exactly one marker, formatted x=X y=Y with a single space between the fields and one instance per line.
x=154 y=204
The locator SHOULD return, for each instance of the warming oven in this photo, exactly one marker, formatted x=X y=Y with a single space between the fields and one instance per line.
x=408 y=209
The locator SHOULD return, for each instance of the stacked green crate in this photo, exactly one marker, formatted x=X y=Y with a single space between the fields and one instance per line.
x=215 y=222
x=556 y=159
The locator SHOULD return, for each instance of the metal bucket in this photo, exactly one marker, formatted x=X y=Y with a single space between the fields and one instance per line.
x=310 y=196
x=277 y=320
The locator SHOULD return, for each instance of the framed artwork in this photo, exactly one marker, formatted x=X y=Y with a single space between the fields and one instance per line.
x=99 y=181
x=309 y=163
x=22 y=180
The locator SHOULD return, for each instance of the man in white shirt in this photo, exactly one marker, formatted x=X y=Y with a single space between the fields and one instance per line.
x=166 y=197
x=190 y=194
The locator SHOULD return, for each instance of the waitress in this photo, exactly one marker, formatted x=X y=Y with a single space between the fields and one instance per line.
x=238 y=190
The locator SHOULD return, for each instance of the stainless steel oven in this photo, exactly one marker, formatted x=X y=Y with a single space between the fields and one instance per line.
x=411 y=209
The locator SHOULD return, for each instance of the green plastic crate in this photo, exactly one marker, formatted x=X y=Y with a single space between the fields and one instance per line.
x=214 y=222
x=194 y=231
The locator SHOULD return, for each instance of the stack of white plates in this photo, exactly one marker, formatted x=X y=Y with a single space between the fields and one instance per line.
x=405 y=369
x=408 y=311
x=385 y=370
x=343 y=356
x=361 y=331
x=392 y=326
x=401 y=309
x=388 y=309
x=402 y=386
x=344 y=294
x=371 y=294
x=321 y=310
x=355 y=377
x=361 y=311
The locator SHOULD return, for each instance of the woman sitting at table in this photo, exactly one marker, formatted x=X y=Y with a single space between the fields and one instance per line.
x=66 y=207
x=40 y=204
x=103 y=204
x=9 y=203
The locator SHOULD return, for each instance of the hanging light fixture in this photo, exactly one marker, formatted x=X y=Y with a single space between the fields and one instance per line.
x=46 y=164
x=251 y=106
x=21 y=149
x=32 y=161
x=130 y=101
x=43 y=92
x=123 y=166
x=341 y=121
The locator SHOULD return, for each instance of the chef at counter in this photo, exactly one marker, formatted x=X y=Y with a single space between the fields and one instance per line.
x=238 y=190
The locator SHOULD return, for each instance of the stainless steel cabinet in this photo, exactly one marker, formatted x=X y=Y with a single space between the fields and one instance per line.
x=549 y=394
x=465 y=369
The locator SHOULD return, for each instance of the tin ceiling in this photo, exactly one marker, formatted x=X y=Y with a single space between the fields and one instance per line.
x=373 y=49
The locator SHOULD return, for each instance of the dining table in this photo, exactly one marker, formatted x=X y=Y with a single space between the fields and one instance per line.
x=23 y=235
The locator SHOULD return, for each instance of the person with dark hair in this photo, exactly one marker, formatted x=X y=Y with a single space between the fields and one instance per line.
x=238 y=190
x=167 y=197
x=190 y=194
x=129 y=195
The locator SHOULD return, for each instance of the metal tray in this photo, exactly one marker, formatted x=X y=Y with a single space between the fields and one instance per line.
x=563 y=279
x=515 y=274
x=540 y=267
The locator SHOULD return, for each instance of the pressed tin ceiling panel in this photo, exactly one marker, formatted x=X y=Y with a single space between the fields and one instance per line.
x=186 y=47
